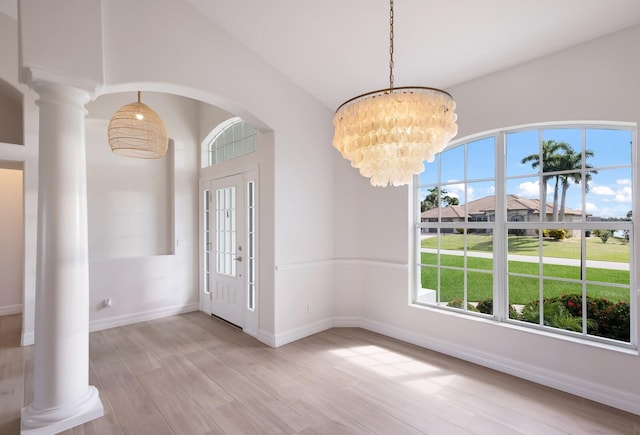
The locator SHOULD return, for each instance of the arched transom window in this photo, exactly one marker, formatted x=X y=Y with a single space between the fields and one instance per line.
x=229 y=140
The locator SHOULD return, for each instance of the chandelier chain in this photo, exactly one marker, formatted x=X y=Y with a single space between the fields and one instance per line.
x=391 y=45
x=387 y=134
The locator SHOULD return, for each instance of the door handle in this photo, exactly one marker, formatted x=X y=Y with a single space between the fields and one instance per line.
x=239 y=258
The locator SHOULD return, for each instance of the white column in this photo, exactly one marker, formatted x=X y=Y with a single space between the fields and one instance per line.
x=62 y=396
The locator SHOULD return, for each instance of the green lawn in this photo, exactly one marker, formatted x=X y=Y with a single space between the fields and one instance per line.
x=521 y=289
x=613 y=250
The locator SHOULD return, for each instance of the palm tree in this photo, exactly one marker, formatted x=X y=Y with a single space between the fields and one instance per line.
x=552 y=152
x=571 y=161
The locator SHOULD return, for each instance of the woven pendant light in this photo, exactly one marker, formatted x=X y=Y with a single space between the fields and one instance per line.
x=135 y=130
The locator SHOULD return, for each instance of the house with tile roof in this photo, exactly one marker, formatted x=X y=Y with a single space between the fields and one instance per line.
x=519 y=209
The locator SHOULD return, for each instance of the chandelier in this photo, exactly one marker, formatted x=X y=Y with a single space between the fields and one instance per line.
x=387 y=134
x=135 y=130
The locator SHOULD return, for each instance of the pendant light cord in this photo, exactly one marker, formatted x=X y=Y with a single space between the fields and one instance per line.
x=391 y=45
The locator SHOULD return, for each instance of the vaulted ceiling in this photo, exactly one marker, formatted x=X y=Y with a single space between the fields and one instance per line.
x=337 y=49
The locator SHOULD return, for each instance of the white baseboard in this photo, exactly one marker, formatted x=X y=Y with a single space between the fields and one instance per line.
x=27 y=339
x=302 y=332
x=307 y=330
x=128 y=319
x=346 y=322
x=579 y=387
x=7 y=310
x=266 y=337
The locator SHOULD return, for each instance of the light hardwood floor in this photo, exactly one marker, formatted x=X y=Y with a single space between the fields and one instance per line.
x=194 y=374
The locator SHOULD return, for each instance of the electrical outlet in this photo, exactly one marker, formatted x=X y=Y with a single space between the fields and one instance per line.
x=108 y=302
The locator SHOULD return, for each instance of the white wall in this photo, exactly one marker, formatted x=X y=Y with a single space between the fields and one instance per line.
x=599 y=80
x=296 y=160
x=130 y=201
x=26 y=156
x=137 y=210
x=10 y=114
x=10 y=95
x=11 y=241
x=296 y=176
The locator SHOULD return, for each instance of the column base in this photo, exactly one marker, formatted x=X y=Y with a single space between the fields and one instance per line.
x=54 y=420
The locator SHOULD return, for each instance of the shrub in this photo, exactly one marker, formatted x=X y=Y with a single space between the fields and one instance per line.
x=486 y=307
x=558 y=234
x=615 y=321
x=458 y=303
x=604 y=235
x=573 y=303
x=460 y=230
x=555 y=315
x=604 y=318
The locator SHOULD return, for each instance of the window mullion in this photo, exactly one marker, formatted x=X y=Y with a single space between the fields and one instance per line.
x=633 y=252
x=500 y=282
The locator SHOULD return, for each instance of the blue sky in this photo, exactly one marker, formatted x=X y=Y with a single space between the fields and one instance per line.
x=609 y=190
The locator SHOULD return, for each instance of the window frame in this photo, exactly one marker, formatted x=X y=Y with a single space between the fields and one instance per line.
x=501 y=225
x=230 y=150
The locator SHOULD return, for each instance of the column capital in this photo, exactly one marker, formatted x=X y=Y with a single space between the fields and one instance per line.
x=39 y=78
x=55 y=92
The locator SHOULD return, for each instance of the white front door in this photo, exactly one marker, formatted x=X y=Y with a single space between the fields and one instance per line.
x=226 y=254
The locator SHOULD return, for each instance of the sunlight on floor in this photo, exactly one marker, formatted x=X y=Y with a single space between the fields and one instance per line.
x=384 y=361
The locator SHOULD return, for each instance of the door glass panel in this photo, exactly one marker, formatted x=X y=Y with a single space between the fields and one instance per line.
x=207 y=241
x=226 y=231
x=251 y=254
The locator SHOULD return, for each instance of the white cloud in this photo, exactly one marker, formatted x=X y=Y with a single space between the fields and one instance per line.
x=470 y=193
x=615 y=211
x=457 y=190
x=623 y=195
x=602 y=190
x=529 y=189
x=592 y=207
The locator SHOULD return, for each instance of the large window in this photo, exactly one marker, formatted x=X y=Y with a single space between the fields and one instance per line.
x=532 y=226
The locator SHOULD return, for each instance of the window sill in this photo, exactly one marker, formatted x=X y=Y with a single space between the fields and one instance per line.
x=624 y=348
